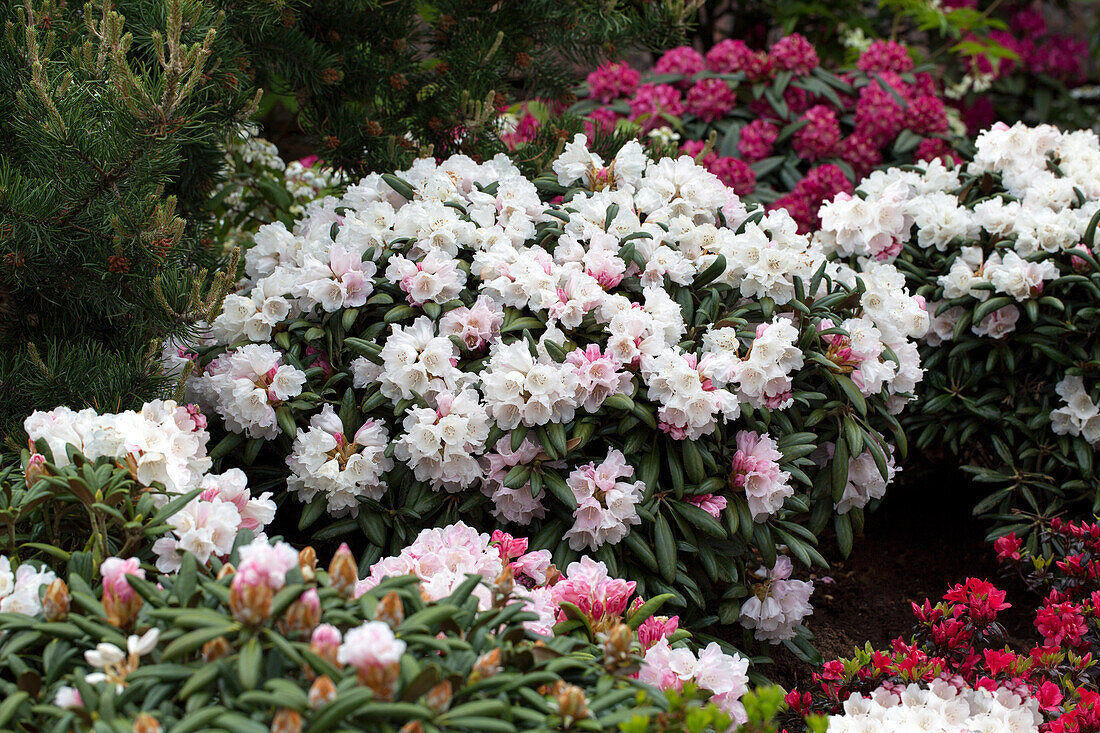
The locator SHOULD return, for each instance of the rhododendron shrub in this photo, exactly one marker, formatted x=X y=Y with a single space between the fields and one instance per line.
x=1004 y=252
x=643 y=370
x=788 y=132
x=270 y=641
x=959 y=664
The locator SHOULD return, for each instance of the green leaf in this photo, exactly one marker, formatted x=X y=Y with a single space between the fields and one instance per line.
x=665 y=546
x=844 y=539
x=248 y=664
x=193 y=640
x=648 y=609
x=400 y=185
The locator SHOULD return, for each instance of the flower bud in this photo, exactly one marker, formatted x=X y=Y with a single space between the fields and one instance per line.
x=439 y=697
x=321 y=692
x=616 y=648
x=307 y=561
x=572 y=705
x=502 y=588
x=413 y=726
x=303 y=615
x=487 y=665
x=36 y=468
x=325 y=642
x=216 y=649
x=55 y=604
x=250 y=603
x=390 y=610
x=226 y=570
x=342 y=572
x=146 y=723
x=286 y=721
x=120 y=601
x=381 y=679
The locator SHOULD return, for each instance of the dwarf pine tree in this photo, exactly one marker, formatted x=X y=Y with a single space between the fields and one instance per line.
x=379 y=82
x=111 y=124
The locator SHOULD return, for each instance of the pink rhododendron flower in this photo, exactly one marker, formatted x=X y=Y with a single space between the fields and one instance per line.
x=587 y=585
x=610 y=81
x=794 y=53
x=370 y=645
x=114 y=571
x=883 y=55
x=709 y=503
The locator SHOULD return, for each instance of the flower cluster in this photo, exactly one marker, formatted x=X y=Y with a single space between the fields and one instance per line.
x=605 y=505
x=164 y=443
x=325 y=461
x=209 y=524
x=245 y=386
x=835 y=127
x=724 y=675
x=1080 y=415
x=940 y=706
x=21 y=588
x=1003 y=252
x=778 y=604
x=582 y=366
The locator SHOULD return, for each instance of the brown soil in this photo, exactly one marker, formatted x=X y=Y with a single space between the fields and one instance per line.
x=919 y=542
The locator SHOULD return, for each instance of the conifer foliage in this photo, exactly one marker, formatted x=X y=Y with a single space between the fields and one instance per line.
x=110 y=130
x=378 y=82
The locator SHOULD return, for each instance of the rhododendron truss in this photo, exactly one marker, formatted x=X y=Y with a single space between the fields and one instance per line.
x=640 y=369
x=1004 y=252
x=960 y=651
x=787 y=132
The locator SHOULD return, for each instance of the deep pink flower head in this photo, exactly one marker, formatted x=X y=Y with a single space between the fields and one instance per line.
x=1061 y=57
x=653 y=99
x=878 y=117
x=931 y=148
x=709 y=503
x=979 y=115
x=980 y=598
x=508 y=546
x=1029 y=22
x=927 y=115
x=998 y=661
x=710 y=99
x=600 y=121
x=735 y=173
x=730 y=56
x=859 y=152
x=681 y=60
x=794 y=53
x=1008 y=547
x=757 y=139
x=820 y=135
x=1048 y=695
x=655 y=628
x=114 y=571
x=611 y=81
x=884 y=55
x=308 y=161
x=1061 y=624
x=526 y=128
x=800 y=208
x=587 y=585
